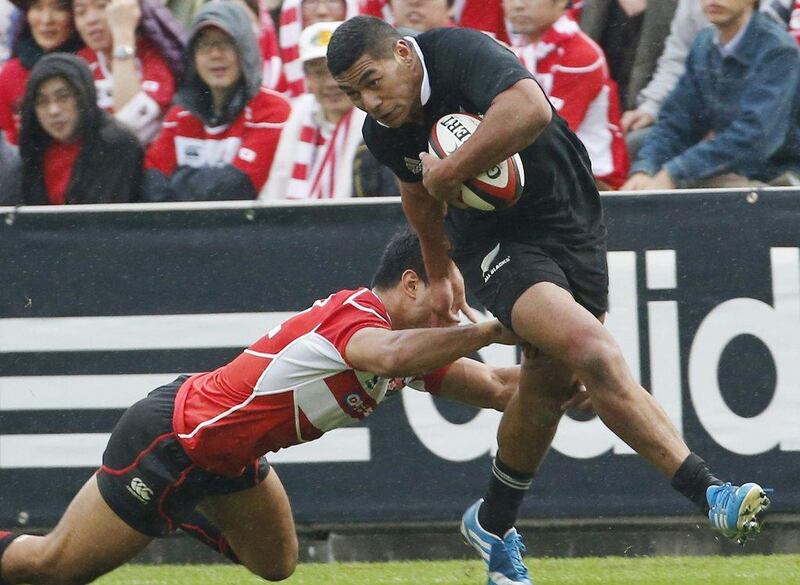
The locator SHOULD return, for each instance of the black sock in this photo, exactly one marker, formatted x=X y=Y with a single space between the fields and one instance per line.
x=4 y=542
x=502 y=500
x=692 y=479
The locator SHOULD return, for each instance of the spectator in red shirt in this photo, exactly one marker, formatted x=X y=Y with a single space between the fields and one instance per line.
x=219 y=140
x=133 y=78
x=47 y=27
x=572 y=70
x=72 y=151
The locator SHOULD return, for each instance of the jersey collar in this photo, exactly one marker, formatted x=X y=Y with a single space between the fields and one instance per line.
x=425 y=90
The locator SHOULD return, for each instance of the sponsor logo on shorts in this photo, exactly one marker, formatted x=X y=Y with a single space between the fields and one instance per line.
x=488 y=265
x=140 y=490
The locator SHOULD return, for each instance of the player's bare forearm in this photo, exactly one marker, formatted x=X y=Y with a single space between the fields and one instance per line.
x=415 y=352
x=514 y=120
x=426 y=216
x=478 y=384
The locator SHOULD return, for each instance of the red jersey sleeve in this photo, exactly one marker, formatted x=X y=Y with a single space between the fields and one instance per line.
x=577 y=80
x=431 y=383
x=161 y=154
x=268 y=112
x=360 y=311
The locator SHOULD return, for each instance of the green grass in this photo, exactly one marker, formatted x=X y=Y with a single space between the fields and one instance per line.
x=750 y=570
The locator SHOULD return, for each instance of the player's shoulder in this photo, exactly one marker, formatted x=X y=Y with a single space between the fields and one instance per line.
x=360 y=302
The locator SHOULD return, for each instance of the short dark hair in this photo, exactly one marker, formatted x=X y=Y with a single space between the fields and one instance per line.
x=403 y=252
x=360 y=35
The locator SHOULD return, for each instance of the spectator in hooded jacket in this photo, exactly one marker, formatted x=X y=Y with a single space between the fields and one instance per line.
x=46 y=28
x=133 y=77
x=219 y=140
x=72 y=151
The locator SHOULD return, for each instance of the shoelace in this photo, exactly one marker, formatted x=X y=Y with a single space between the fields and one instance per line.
x=723 y=495
x=515 y=547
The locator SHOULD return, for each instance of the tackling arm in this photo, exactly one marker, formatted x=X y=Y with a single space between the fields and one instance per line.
x=413 y=352
x=477 y=384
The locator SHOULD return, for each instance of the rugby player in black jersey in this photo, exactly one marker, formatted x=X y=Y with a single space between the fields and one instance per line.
x=539 y=266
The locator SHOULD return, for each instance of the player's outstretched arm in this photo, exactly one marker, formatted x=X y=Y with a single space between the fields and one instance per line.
x=478 y=384
x=414 y=352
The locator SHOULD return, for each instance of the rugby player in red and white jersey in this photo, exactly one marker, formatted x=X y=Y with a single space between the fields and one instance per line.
x=190 y=454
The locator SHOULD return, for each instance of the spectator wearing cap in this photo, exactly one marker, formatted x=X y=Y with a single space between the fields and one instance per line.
x=72 y=151
x=219 y=140
x=734 y=118
x=297 y=15
x=314 y=159
x=134 y=74
x=46 y=28
x=572 y=70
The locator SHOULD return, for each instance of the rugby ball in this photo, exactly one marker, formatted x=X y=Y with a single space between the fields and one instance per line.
x=496 y=188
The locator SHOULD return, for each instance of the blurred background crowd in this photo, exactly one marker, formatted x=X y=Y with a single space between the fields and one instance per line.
x=107 y=101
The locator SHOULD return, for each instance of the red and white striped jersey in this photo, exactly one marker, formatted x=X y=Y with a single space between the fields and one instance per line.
x=572 y=70
x=289 y=387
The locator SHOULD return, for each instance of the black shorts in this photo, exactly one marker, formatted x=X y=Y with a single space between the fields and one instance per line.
x=149 y=480
x=499 y=272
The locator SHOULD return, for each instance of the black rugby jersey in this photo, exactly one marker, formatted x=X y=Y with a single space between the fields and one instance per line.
x=464 y=70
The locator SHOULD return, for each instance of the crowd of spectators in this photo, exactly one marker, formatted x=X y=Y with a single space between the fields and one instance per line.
x=183 y=100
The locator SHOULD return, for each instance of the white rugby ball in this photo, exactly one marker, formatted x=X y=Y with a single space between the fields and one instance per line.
x=496 y=188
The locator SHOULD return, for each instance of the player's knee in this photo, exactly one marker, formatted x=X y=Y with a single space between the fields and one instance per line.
x=595 y=357
x=278 y=569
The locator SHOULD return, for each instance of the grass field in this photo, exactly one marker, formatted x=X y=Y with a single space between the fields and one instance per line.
x=752 y=570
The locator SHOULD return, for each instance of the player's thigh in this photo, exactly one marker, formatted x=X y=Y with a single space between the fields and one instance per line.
x=89 y=540
x=258 y=525
x=547 y=316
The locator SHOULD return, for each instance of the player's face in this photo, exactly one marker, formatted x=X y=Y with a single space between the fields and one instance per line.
x=320 y=82
x=533 y=17
x=92 y=25
x=726 y=12
x=216 y=59
x=50 y=22
x=421 y=15
x=57 y=109
x=388 y=89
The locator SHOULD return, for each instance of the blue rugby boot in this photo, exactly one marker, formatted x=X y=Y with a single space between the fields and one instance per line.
x=503 y=557
x=734 y=510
